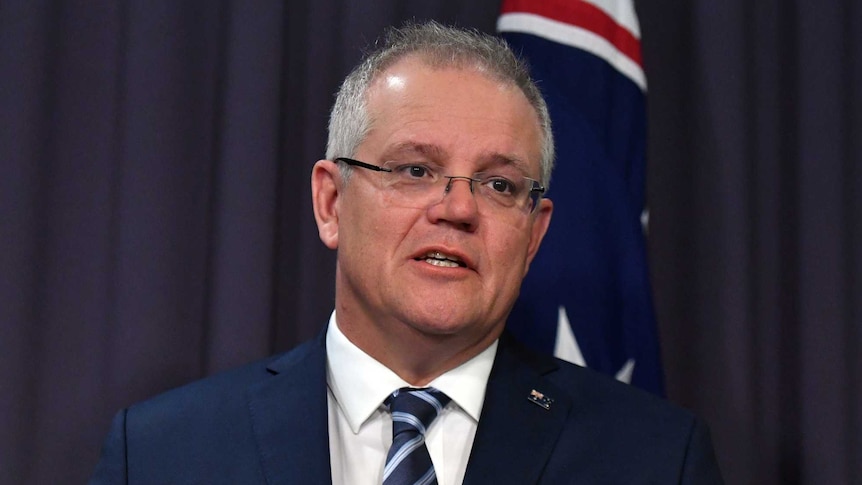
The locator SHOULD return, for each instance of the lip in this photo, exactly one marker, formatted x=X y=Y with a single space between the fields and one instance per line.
x=467 y=260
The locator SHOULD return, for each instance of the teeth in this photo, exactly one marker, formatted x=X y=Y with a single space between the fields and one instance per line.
x=437 y=258
x=445 y=263
x=439 y=255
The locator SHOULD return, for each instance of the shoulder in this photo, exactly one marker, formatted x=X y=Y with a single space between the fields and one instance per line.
x=586 y=428
x=205 y=431
x=612 y=429
x=591 y=392
x=647 y=438
x=220 y=393
x=619 y=409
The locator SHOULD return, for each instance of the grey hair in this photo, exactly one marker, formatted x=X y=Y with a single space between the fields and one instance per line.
x=438 y=46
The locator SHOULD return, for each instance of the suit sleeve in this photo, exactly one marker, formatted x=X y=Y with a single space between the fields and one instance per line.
x=112 y=464
x=700 y=466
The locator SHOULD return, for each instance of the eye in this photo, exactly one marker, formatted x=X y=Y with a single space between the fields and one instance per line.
x=413 y=172
x=502 y=186
x=416 y=171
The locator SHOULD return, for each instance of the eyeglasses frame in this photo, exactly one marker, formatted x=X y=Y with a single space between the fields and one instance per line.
x=537 y=186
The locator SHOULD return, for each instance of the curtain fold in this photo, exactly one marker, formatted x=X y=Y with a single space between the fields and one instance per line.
x=754 y=237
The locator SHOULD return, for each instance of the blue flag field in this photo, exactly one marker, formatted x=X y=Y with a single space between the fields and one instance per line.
x=587 y=297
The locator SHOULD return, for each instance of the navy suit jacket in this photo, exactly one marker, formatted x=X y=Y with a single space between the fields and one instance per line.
x=267 y=423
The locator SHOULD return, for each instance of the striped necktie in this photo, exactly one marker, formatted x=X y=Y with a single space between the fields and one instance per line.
x=413 y=410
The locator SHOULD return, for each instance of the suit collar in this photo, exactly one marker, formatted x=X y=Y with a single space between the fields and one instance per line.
x=516 y=435
x=358 y=382
x=514 y=439
x=290 y=418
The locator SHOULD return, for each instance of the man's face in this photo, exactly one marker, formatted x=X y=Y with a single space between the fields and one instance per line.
x=387 y=285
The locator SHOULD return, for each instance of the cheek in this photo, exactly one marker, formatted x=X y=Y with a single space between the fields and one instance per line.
x=382 y=231
x=509 y=253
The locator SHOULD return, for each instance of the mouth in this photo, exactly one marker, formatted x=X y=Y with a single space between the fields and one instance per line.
x=443 y=260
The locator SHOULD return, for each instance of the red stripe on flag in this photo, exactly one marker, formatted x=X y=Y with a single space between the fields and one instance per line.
x=583 y=15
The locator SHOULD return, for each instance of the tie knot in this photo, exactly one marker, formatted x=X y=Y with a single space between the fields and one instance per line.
x=415 y=409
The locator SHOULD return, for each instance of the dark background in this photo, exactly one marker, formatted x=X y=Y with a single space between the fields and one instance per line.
x=155 y=220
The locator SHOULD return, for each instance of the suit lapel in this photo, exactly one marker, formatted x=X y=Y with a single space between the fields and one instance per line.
x=290 y=419
x=516 y=435
x=513 y=441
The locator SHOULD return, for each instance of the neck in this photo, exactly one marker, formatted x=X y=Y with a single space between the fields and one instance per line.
x=414 y=356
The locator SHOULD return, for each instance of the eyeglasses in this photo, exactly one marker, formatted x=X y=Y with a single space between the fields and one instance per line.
x=420 y=185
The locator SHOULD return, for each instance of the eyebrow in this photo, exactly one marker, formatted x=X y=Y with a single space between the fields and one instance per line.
x=498 y=159
x=435 y=152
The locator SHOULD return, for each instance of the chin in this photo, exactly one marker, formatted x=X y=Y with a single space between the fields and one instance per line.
x=435 y=321
x=447 y=325
x=438 y=329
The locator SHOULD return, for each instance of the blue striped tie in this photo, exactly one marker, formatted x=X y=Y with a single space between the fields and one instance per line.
x=413 y=410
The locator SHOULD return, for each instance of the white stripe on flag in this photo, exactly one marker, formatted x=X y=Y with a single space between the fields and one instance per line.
x=573 y=36
x=623 y=13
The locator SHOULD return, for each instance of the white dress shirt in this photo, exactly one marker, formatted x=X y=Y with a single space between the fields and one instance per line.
x=360 y=427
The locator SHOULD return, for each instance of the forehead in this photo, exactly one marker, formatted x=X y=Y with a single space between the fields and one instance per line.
x=455 y=111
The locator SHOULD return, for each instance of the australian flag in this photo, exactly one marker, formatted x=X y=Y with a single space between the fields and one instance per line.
x=587 y=296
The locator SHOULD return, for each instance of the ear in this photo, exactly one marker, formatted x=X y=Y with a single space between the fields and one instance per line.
x=541 y=221
x=325 y=191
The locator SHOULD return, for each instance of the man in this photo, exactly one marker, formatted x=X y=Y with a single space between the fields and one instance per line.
x=439 y=151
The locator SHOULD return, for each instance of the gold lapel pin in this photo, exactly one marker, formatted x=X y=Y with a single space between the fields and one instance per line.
x=540 y=399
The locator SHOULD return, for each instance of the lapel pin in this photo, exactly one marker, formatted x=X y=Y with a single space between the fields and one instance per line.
x=540 y=399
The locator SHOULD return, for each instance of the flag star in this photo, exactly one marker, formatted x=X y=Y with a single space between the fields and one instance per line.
x=625 y=374
x=566 y=347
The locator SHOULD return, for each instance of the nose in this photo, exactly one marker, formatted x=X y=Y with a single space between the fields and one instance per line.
x=458 y=206
x=461 y=177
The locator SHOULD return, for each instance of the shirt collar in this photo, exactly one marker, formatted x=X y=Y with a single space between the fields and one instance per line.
x=360 y=383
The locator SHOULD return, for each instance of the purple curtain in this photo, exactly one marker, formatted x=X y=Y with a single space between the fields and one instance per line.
x=155 y=221
x=755 y=190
